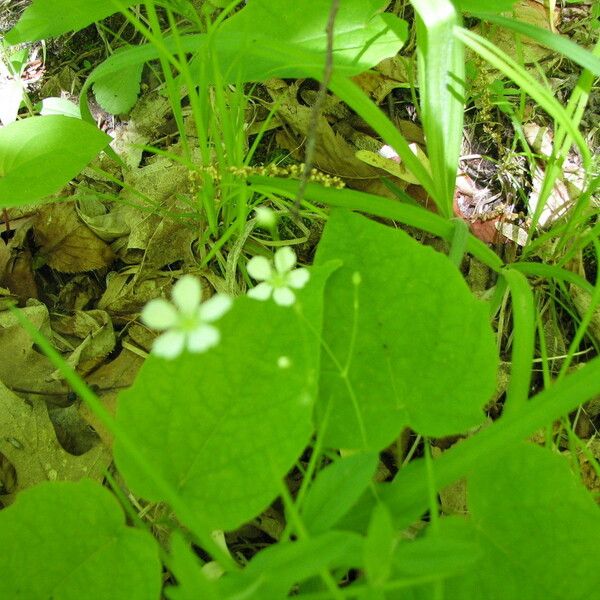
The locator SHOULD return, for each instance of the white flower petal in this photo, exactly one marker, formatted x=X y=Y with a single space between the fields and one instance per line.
x=285 y=259
x=159 y=314
x=298 y=278
x=261 y=292
x=284 y=296
x=259 y=268
x=203 y=338
x=186 y=294
x=214 y=308
x=169 y=344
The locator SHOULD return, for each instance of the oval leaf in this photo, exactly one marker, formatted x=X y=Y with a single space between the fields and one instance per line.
x=38 y=156
x=49 y=18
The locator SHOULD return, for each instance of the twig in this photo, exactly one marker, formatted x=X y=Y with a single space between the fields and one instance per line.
x=317 y=109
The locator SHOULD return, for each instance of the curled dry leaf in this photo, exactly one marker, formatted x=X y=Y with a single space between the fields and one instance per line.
x=67 y=244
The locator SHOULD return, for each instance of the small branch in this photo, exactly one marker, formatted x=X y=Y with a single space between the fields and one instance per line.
x=317 y=109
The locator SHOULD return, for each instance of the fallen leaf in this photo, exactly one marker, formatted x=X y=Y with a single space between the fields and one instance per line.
x=21 y=366
x=67 y=244
x=334 y=155
x=28 y=441
x=109 y=380
x=89 y=334
x=389 y=74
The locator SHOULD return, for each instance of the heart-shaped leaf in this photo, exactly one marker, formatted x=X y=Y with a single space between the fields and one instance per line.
x=224 y=427
x=408 y=343
x=68 y=540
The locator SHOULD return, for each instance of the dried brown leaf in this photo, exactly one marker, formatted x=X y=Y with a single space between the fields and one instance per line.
x=28 y=441
x=67 y=244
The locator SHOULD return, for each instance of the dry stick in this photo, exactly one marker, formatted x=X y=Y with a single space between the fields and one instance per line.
x=317 y=109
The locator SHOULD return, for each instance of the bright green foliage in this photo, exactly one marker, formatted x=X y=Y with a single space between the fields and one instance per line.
x=191 y=581
x=412 y=346
x=257 y=42
x=379 y=546
x=537 y=528
x=490 y=6
x=441 y=69
x=67 y=541
x=278 y=38
x=226 y=426
x=336 y=489
x=273 y=571
x=38 y=156
x=118 y=93
x=49 y=18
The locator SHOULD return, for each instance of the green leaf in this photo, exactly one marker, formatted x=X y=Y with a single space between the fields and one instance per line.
x=38 y=156
x=523 y=343
x=491 y=6
x=183 y=563
x=441 y=89
x=336 y=489
x=224 y=427
x=414 y=216
x=407 y=496
x=538 y=528
x=249 y=42
x=411 y=345
x=379 y=546
x=273 y=571
x=68 y=540
x=118 y=93
x=49 y=18
x=277 y=38
x=436 y=554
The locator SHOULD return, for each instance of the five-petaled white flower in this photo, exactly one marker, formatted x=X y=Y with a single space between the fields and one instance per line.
x=185 y=321
x=279 y=280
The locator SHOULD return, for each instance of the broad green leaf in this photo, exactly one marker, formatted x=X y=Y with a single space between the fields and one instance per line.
x=118 y=93
x=49 y=18
x=38 y=156
x=68 y=540
x=411 y=345
x=361 y=38
x=278 y=38
x=336 y=489
x=408 y=495
x=538 y=529
x=225 y=426
x=273 y=571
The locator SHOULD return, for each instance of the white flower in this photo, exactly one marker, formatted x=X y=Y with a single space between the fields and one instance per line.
x=265 y=217
x=277 y=281
x=185 y=320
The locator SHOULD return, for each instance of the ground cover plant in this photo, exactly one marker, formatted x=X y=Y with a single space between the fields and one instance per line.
x=263 y=335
